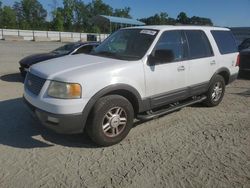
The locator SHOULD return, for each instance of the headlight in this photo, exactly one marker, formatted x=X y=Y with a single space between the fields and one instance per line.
x=64 y=90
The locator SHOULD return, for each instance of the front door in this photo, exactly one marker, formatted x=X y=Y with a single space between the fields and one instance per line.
x=166 y=81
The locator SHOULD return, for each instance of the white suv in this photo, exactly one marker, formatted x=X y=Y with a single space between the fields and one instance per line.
x=139 y=72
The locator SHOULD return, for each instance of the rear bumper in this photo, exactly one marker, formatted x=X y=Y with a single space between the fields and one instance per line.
x=232 y=78
x=64 y=124
x=245 y=69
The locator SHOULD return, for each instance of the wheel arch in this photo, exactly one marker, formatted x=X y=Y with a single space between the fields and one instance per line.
x=127 y=91
x=224 y=72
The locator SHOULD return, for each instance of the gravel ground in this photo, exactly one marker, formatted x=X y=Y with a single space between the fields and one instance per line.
x=194 y=147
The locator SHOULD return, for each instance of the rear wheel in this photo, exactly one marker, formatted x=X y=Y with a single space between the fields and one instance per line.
x=111 y=120
x=216 y=91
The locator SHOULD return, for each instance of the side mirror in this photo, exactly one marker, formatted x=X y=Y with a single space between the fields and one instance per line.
x=160 y=56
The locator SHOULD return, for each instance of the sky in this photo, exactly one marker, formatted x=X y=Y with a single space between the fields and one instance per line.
x=229 y=13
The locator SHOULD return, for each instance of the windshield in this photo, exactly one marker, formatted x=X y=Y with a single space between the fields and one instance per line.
x=66 y=49
x=126 y=44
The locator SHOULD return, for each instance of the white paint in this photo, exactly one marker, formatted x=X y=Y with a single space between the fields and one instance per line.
x=94 y=73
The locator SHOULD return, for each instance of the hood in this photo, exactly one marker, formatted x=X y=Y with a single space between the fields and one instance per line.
x=65 y=68
x=36 y=58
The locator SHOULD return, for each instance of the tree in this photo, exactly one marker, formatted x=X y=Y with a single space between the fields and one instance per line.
x=21 y=23
x=8 y=17
x=34 y=13
x=30 y=14
x=57 y=22
x=100 y=8
x=68 y=9
x=82 y=16
x=195 y=20
x=159 y=19
x=1 y=15
x=183 y=18
x=124 y=12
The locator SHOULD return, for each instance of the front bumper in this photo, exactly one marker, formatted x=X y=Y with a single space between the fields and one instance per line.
x=64 y=124
x=23 y=71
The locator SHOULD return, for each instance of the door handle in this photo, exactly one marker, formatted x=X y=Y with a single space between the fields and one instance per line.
x=181 y=68
x=213 y=62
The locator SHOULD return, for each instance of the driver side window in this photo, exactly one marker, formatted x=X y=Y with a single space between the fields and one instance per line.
x=172 y=43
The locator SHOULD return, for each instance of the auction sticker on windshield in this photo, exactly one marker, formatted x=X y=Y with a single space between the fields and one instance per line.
x=148 y=32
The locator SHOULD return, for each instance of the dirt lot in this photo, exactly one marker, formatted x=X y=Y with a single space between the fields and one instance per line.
x=195 y=147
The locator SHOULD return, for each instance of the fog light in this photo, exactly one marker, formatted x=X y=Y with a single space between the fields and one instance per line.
x=53 y=120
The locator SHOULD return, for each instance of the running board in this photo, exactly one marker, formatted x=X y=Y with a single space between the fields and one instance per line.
x=152 y=115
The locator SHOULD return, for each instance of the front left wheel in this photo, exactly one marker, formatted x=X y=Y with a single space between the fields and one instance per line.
x=111 y=120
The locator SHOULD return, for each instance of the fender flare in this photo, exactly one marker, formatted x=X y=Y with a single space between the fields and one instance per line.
x=222 y=69
x=109 y=89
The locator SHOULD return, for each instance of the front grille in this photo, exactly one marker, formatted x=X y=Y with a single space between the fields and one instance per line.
x=34 y=83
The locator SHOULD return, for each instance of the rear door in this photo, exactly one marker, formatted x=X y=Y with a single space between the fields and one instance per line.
x=202 y=63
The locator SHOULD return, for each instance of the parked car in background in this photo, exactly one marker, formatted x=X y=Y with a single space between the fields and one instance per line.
x=245 y=44
x=68 y=49
x=244 y=49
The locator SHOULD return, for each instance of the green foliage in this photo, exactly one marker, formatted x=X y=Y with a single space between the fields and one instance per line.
x=75 y=15
x=68 y=14
x=30 y=14
x=8 y=17
x=195 y=20
x=57 y=22
x=1 y=15
x=159 y=19
x=182 y=18
x=124 y=12
x=97 y=7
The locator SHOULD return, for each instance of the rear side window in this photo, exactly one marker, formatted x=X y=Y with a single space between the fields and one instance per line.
x=198 y=44
x=225 y=41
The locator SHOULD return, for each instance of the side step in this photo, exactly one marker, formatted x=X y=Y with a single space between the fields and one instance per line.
x=151 y=114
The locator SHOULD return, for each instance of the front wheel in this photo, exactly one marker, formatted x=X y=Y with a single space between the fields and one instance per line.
x=216 y=91
x=111 y=120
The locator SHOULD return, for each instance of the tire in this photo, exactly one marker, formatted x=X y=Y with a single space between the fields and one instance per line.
x=215 y=92
x=111 y=120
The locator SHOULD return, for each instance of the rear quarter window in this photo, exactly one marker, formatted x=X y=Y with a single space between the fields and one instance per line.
x=225 y=41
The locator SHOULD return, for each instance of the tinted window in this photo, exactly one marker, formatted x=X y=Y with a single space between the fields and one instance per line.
x=172 y=42
x=225 y=41
x=199 y=45
x=85 y=49
x=66 y=49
